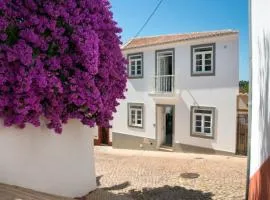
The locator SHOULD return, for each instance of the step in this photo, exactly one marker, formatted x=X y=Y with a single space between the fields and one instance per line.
x=166 y=148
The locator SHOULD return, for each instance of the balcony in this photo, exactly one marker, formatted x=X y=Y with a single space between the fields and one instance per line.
x=163 y=84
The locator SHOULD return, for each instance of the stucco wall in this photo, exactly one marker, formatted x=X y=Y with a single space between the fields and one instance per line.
x=39 y=159
x=218 y=91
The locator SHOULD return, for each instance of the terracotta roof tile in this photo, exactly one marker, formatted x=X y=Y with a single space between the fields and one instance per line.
x=164 y=39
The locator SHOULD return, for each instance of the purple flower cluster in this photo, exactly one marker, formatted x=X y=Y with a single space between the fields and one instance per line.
x=59 y=59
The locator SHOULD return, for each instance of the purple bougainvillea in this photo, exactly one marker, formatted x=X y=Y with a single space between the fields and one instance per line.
x=59 y=59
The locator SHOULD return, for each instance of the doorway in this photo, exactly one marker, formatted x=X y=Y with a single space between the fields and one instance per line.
x=165 y=125
x=103 y=135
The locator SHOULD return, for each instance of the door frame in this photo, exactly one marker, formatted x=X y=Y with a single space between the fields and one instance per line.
x=173 y=121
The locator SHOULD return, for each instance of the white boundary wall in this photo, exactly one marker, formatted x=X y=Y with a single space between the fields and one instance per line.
x=39 y=159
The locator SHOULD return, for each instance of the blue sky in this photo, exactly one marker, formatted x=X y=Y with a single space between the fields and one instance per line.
x=181 y=16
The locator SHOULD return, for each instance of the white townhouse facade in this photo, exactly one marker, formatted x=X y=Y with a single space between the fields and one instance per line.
x=182 y=93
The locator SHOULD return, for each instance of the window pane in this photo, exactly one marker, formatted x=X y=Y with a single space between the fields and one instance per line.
x=208 y=68
x=207 y=124
x=133 y=72
x=203 y=49
x=207 y=130
x=132 y=120
x=139 y=62
x=139 y=113
x=198 y=129
x=198 y=123
x=203 y=111
x=139 y=121
x=136 y=57
x=198 y=117
x=208 y=56
x=198 y=62
x=207 y=118
x=139 y=72
x=132 y=62
x=198 y=68
x=132 y=112
x=139 y=67
x=198 y=56
x=207 y=62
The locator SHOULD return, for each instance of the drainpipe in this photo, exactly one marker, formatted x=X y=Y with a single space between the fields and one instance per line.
x=249 y=100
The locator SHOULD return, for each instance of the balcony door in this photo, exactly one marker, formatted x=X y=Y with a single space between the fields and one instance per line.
x=164 y=78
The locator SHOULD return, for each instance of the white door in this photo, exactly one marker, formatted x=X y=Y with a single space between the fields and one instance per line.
x=160 y=125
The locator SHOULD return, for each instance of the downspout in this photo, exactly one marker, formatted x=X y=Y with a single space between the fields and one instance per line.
x=249 y=98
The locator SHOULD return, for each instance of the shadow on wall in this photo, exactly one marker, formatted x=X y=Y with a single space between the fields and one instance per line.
x=264 y=51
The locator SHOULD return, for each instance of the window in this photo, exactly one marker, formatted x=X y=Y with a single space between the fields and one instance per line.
x=135 y=115
x=135 y=65
x=202 y=119
x=203 y=59
x=164 y=79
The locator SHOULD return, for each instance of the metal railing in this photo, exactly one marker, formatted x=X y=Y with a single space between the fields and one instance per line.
x=164 y=84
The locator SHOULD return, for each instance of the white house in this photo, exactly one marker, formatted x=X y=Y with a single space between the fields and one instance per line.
x=182 y=91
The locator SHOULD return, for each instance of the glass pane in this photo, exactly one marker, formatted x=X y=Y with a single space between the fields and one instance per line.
x=198 y=68
x=198 y=123
x=132 y=62
x=198 y=129
x=132 y=112
x=133 y=72
x=207 y=130
x=208 y=56
x=207 y=118
x=139 y=62
x=207 y=124
x=133 y=120
x=203 y=111
x=207 y=62
x=139 y=121
x=198 y=117
x=198 y=56
x=136 y=107
x=139 y=72
x=203 y=49
x=208 y=68
x=139 y=67
x=139 y=113
x=136 y=57
x=198 y=62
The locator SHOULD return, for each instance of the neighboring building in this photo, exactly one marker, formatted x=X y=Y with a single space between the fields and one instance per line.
x=181 y=94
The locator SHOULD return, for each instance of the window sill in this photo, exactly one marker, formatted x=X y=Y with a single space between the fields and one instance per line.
x=201 y=136
x=203 y=74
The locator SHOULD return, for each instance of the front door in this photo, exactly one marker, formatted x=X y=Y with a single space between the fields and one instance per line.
x=103 y=135
x=164 y=122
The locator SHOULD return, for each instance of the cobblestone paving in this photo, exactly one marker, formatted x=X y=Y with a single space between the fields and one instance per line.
x=137 y=175
x=145 y=175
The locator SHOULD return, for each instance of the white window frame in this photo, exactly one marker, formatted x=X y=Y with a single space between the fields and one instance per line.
x=194 y=71
x=132 y=58
x=133 y=111
x=202 y=133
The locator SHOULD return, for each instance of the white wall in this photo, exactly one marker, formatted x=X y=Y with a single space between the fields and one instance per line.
x=260 y=120
x=218 y=91
x=41 y=160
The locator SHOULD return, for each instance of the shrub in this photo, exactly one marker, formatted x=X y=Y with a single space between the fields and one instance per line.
x=59 y=59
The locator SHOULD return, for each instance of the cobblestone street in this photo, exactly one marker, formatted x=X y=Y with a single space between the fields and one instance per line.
x=146 y=175
x=125 y=174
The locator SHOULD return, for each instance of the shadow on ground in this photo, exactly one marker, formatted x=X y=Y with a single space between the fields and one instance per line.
x=161 y=193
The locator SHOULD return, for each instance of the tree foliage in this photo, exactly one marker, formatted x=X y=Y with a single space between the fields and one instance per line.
x=243 y=86
x=60 y=59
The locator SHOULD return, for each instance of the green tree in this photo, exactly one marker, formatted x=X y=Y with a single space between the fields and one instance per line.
x=243 y=86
